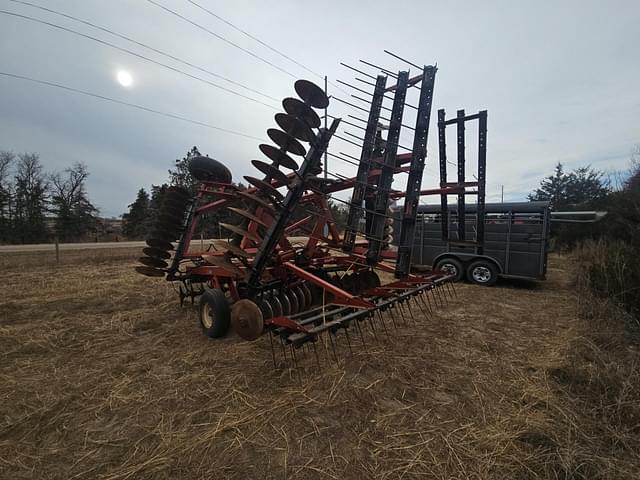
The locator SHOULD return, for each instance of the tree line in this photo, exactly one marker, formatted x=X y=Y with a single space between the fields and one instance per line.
x=38 y=206
x=138 y=221
x=611 y=246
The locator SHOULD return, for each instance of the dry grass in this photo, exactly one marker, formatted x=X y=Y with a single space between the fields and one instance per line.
x=104 y=376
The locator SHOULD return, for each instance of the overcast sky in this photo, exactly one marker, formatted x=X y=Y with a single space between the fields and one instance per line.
x=559 y=79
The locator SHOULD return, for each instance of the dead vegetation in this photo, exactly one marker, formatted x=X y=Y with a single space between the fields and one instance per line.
x=104 y=376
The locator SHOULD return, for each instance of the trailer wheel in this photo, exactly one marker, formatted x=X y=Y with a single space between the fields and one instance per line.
x=452 y=266
x=215 y=315
x=482 y=272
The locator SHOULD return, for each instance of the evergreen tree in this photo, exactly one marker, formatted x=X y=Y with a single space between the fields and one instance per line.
x=181 y=177
x=31 y=194
x=75 y=215
x=135 y=222
x=584 y=186
x=6 y=160
x=553 y=188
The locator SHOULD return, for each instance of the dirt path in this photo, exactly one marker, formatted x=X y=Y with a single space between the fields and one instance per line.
x=103 y=375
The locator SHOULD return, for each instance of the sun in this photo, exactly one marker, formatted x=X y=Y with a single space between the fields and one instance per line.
x=124 y=78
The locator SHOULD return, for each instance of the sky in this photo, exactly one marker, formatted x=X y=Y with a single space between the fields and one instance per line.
x=558 y=78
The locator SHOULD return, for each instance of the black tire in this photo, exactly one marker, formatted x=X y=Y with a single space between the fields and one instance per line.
x=451 y=265
x=209 y=170
x=482 y=272
x=214 y=312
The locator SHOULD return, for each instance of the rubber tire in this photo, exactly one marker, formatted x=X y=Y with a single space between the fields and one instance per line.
x=489 y=266
x=217 y=302
x=453 y=262
x=208 y=169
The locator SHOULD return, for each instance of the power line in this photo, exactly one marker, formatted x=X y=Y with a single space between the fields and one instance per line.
x=265 y=44
x=220 y=37
x=273 y=49
x=132 y=105
x=129 y=39
x=130 y=52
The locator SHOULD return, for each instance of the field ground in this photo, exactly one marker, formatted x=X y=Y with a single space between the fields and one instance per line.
x=104 y=376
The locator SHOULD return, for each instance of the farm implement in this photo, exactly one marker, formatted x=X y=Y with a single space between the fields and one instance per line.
x=285 y=270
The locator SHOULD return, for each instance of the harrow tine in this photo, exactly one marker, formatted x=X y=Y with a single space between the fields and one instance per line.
x=384 y=325
x=295 y=363
x=333 y=347
x=394 y=322
x=373 y=329
x=361 y=335
x=346 y=332
x=418 y=300
x=273 y=352
x=455 y=290
x=315 y=350
x=411 y=311
x=404 y=320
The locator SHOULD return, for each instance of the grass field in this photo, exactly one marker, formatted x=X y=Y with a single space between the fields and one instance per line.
x=104 y=375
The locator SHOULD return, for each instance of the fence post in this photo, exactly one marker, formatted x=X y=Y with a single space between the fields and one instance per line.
x=57 y=252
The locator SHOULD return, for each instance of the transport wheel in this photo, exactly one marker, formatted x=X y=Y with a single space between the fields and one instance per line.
x=215 y=315
x=208 y=169
x=482 y=272
x=451 y=266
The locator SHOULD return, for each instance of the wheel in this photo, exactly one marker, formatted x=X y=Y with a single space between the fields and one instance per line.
x=209 y=170
x=451 y=266
x=215 y=315
x=483 y=272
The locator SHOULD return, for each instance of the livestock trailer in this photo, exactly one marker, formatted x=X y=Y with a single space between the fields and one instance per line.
x=514 y=244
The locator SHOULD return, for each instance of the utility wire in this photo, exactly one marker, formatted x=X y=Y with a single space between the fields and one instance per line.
x=130 y=52
x=160 y=52
x=220 y=37
x=244 y=32
x=132 y=105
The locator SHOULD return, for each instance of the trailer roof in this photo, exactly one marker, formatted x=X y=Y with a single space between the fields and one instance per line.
x=524 y=207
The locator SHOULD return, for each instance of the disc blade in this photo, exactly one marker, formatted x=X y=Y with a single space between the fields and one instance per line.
x=278 y=156
x=241 y=232
x=156 y=253
x=295 y=127
x=247 y=319
x=257 y=200
x=271 y=171
x=153 y=262
x=294 y=106
x=234 y=249
x=311 y=93
x=276 y=306
x=150 y=271
x=286 y=142
x=265 y=308
x=159 y=244
x=247 y=215
x=264 y=187
x=221 y=262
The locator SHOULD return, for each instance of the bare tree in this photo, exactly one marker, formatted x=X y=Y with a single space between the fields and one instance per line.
x=6 y=161
x=30 y=200
x=75 y=214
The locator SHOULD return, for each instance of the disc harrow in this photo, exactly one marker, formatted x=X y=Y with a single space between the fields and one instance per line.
x=261 y=280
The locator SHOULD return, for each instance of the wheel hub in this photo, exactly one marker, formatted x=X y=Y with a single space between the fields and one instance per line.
x=481 y=274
